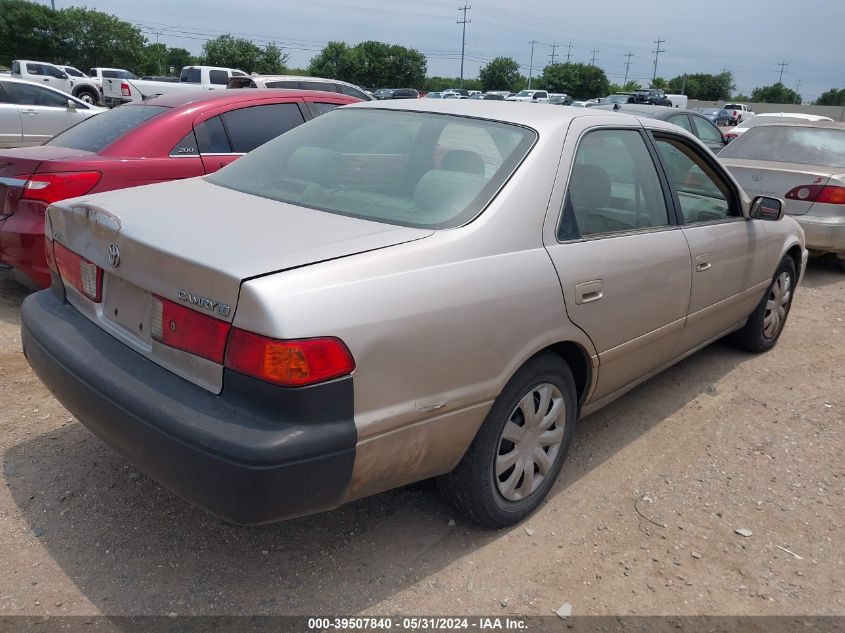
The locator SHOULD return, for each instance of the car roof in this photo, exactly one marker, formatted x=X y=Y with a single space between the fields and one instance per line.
x=177 y=99
x=651 y=111
x=296 y=78
x=527 y=114
x=796 y=115
x=827 y=125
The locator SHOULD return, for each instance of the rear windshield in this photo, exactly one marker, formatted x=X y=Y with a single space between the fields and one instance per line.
x=99 y=131
x=790 y=144
x=406 y=168
x=118 y=74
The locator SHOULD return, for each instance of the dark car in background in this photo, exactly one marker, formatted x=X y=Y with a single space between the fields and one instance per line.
x=396 y=93
x=693 y=122
x=652 y=96
x=716 y=116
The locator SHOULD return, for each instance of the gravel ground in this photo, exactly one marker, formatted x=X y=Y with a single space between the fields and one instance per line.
x=642 y=521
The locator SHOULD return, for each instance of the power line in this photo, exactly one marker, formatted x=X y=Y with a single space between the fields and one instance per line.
x=783 y=66
x=531 y=65
x=554 y=54
x=629 y=55
x=464 y=22
x=568 y=52
x=593 y=59
x=657 y=52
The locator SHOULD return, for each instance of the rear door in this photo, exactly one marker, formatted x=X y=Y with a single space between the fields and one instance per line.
x=44 y=113
x=622 y=261
x=227 y=136
x=730 y=258
x=10 y=121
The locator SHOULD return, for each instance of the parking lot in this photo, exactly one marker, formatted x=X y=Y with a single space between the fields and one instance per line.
x=642 y=521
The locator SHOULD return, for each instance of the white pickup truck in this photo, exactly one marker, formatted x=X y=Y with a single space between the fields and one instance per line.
x=740 y=112
x=58 y=77
x=124 y=90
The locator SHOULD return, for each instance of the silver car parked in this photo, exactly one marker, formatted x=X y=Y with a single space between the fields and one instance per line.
x=400 y=290
x=804 y=163
x=31 y=114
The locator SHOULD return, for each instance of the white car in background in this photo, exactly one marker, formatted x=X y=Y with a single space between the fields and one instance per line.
x=530 y=96
x=74 y=83
x=31 y=114
x=771 y=117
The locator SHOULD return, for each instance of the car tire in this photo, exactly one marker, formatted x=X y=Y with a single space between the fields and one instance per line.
x=87 y=96
x=764 y=326
x=515 y=431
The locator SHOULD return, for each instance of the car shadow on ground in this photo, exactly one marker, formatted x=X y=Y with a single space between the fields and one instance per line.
x=12 y=295
x=133 y=548
x=823 y=271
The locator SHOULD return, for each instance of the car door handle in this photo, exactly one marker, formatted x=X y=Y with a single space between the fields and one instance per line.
x=46 y=79
x=588 y=291
x=30 y=111
x=702 y=266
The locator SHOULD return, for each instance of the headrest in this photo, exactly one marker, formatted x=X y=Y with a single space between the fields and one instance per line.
x=463 y=160
x=589 y=187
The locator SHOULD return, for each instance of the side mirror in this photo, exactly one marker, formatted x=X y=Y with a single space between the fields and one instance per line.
x=71 y=104
x=764 y=208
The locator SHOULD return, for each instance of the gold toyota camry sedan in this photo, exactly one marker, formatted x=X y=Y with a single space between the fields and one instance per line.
x=400 y=290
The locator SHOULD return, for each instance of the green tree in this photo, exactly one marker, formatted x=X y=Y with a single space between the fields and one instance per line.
x=660 y=83
x=580 y=81
x=776 y=93
x=833 y=97
x=631 y=86
x=502 y=73
x=272 y=60
x=92 y=38
x=438 y=84
x=27 y=31
x=703 y=86
x=178 y=58
x=231 y=52
x=335 y=61
x=153 y=60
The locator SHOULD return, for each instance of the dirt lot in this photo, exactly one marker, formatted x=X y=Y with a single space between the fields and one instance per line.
x=724 y=440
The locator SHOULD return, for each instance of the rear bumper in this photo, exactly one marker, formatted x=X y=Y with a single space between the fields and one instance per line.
x=254 y=454
x=823 y=233
x=22 y=243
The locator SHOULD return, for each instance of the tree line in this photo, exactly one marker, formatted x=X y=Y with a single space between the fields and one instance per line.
x=87 y=38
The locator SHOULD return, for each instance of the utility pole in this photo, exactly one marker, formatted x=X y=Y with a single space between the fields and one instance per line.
x=657 y=52
x=554 y=54
x=531 y=64
x=464 y=22
x=797 y=86
x=593 y=60
x=53 y=4
x=627 y=67
x=568 y=52
x=783 y=66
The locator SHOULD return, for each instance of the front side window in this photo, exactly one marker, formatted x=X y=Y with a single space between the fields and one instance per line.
x=97 y=132
x=35 y=69
x=702 y=194
x=32 y=95
x=614 y=187
x=73 y=72
x=397 y=167
x=250 y=127
x=52 y=71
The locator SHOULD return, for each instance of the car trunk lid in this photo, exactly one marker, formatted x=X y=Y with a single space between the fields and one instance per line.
x=17 y=164
x=193 y=243
x=769 y=178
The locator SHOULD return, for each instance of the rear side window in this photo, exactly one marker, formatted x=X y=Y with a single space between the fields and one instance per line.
x=321 y=108
x=318 y=85
x=349 y=91
x=97 y=132
x=191 y=75
x=187 y=146
x=614 y=187
x=35 y=69
x=218 y=77
x=4 y=98
x=250 y=127
x=707 y=132
x=212 y=138
x=681 y=120
x=282 y=84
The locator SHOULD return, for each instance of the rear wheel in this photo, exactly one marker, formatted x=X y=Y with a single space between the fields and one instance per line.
x=519 y=450
x=765 y=324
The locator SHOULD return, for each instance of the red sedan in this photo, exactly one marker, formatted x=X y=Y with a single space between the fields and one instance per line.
x=166 y=138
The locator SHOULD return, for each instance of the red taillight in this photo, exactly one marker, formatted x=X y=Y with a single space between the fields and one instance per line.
x=80 y=273
x=57 y=186
x=291 y=363
x=817 y=193
x=191 y=331
x=124 y=89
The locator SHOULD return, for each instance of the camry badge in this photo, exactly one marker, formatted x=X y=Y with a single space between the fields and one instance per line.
x=114 y=255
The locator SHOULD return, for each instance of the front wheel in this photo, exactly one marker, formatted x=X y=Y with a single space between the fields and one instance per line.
x=765 y=324
x=519 y=450
x=88 y=97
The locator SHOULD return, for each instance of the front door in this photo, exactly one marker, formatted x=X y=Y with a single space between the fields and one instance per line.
x=10 y=120
x=729 y=253
x=622 y=261
x=44 y=112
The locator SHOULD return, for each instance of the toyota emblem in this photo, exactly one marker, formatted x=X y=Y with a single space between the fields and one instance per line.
x=114 y=255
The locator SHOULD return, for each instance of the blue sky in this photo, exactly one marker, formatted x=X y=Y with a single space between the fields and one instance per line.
x=750 y=41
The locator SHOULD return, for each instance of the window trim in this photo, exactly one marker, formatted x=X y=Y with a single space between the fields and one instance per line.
x=710 y=159
x=668 y=195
